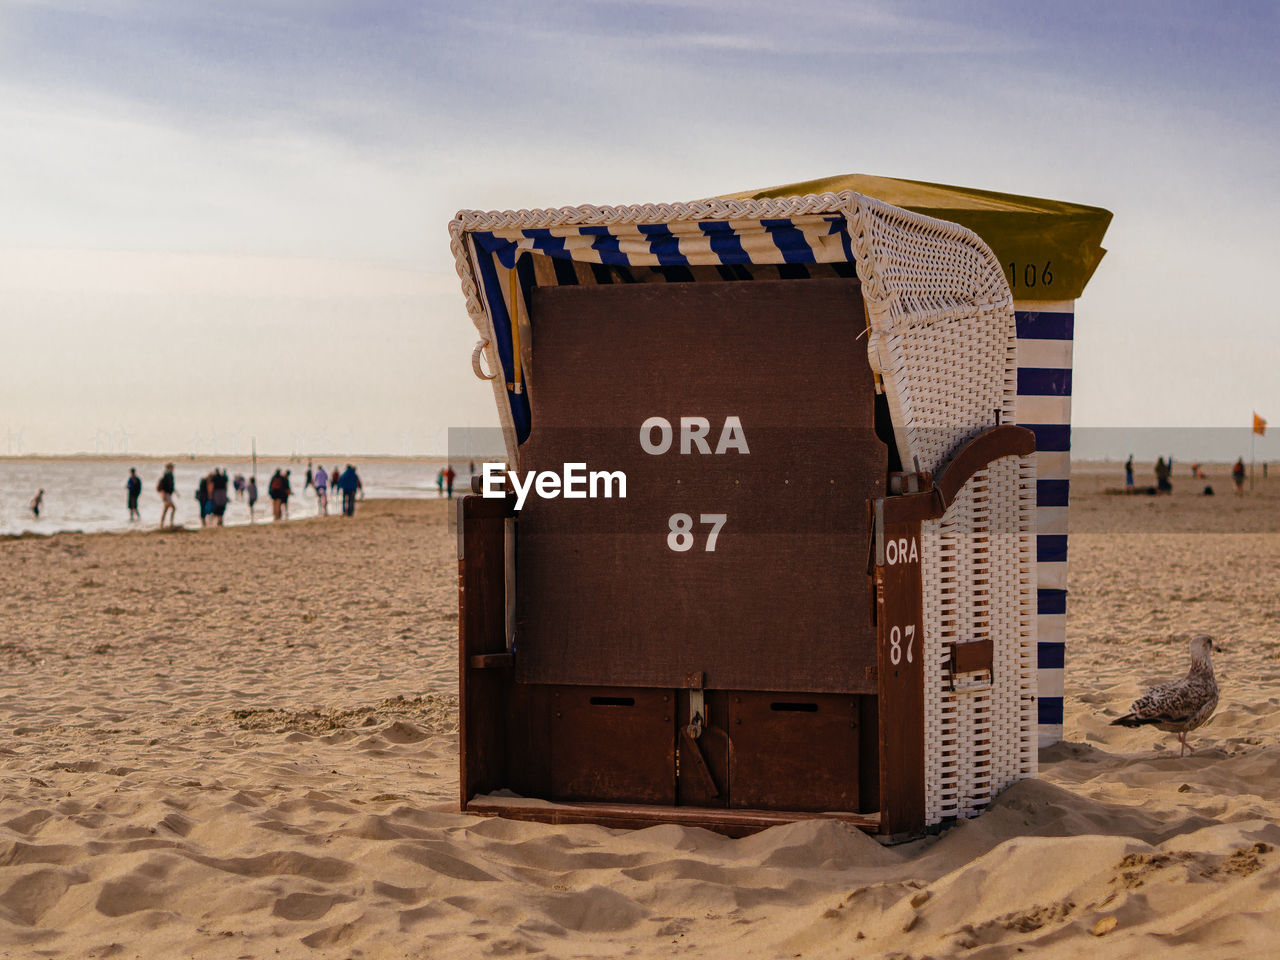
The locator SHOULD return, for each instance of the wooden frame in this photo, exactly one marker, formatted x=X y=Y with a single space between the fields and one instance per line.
x=499 y=746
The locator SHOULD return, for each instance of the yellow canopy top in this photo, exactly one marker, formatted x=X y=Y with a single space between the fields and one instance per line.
x=1049 y=248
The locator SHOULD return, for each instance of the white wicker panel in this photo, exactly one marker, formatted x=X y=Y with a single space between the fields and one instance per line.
x=946 y=383
x=944 y=342
x=979 y=582
x=943 y=334
x=940 y=596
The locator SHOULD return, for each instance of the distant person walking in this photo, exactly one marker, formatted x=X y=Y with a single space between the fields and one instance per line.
x=134 y=487
x=251 y=490
x=321 y=483
x=349 y=482
x=449 y=476
x=37 y=502
x=1237 y=476
x=1128 y=472
x=1162 y=477
x=275 y=490
x=202 y=498
x=310 y=479
x=164 y=487
x=218 y=496
x=238 y=485
x=287 y=493
x=440 y=482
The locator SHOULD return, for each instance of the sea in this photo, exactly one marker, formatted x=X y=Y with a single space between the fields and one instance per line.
x=87 y=494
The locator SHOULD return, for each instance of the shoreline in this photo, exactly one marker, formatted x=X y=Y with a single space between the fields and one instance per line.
x=142 y=528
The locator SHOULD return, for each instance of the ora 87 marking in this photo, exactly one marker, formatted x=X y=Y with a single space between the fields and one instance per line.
x=895 y=643
x=680 y=538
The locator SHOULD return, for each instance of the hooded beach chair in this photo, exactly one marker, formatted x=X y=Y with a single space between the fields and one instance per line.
x=819 y=594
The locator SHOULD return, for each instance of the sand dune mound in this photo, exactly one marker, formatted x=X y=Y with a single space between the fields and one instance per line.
x=403 y=719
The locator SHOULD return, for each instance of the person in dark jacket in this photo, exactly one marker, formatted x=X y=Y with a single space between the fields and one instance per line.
x=219 y=483
x=1163 y=485
x=134 y=487
x=275 y=490
x=349 y=483
x=165 y=488
x=202 y=498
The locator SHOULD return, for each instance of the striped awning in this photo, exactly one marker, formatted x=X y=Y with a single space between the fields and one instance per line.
x=813 y=239
x=910 y=265
x=642 y=252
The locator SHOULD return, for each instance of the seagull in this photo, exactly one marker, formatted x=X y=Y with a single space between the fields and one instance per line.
x=1179 y=706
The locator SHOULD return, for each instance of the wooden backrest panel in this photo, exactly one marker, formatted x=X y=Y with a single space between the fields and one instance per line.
x=782 y=601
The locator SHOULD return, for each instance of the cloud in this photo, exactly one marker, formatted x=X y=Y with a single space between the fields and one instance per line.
x=273 y=166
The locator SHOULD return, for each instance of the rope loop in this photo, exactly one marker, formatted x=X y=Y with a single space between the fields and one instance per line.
x=476 y=366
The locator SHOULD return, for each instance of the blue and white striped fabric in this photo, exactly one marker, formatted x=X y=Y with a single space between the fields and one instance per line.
x=1045 y=332
x=787 y=248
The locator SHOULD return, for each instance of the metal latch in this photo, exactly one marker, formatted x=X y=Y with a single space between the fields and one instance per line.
x=697 y=714
x=971 y=656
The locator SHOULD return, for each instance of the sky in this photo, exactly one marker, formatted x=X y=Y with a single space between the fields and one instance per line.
x=224 y=223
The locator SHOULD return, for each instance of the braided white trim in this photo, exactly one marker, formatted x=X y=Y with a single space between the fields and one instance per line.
x=477 y=309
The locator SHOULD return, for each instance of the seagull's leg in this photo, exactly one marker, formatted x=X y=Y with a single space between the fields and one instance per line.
x=1182 y=740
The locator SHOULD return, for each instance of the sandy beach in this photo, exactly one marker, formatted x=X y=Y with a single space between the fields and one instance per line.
x=236 y=743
